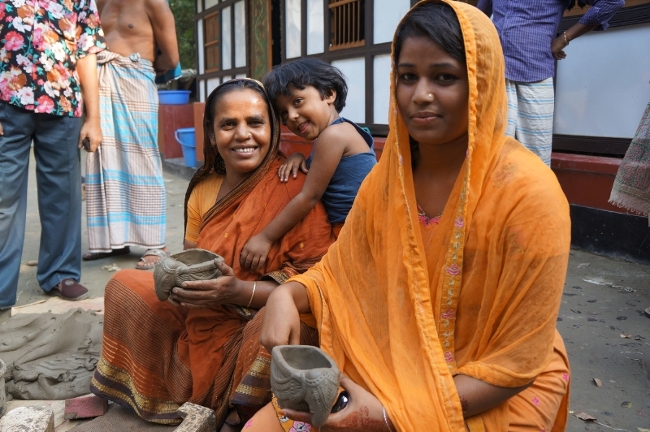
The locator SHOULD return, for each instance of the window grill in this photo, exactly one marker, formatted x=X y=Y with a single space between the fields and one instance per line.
x=346 y=24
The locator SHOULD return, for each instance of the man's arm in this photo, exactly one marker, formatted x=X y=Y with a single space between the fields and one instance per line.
x=164 y=32
x=91 y=129
x=597 y=18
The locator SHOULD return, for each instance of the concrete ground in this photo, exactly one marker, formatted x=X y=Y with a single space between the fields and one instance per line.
x=601 y=319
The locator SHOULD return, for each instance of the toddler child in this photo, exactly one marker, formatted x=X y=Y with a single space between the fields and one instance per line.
x=308 y=95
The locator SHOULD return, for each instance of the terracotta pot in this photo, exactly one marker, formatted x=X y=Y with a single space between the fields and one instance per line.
x=189 y=265
x=304 y=378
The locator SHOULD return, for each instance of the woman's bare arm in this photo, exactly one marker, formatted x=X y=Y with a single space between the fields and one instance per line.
x=477 y=396
x=281 y=324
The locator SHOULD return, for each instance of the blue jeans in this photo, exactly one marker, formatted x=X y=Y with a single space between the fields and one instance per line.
x=58 y=175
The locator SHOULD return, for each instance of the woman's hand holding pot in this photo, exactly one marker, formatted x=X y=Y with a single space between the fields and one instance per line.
x=213 y=292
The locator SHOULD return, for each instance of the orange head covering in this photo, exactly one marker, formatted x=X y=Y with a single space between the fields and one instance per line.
x=402 y=317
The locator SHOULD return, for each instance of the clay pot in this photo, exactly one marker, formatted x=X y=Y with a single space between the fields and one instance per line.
x=304 y=378
x=3 y=395
x=189 y=265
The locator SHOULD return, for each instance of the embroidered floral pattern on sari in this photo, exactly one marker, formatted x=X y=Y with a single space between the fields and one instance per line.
x=452 y=280
x=41 y=42
x=424 y=219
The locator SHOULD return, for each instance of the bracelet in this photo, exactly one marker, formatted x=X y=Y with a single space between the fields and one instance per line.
x=566 y=41
x=388 y=425
x=252 y=294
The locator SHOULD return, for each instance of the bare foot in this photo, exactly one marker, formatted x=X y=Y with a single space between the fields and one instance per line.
x=150 y=258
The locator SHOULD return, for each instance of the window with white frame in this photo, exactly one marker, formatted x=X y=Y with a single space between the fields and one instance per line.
x=222 y=27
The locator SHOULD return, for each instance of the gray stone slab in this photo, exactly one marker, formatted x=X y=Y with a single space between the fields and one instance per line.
x=196 y=419
x=28 y=419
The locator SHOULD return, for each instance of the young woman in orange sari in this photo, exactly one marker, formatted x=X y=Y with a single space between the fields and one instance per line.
x=202 y=345
x=439 y=299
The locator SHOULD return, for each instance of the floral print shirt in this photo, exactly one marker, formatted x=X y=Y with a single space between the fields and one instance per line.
x=41 y=41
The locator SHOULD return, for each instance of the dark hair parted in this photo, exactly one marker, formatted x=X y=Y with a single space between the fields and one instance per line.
x=307 y=72
x=213 y=162
x=438 y=22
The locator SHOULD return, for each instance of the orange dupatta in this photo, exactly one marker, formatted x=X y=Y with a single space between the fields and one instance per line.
x=401 y=318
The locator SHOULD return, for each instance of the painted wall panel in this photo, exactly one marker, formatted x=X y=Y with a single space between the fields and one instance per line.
x=388 y=14
x=202 y=93
x=212 y=83
x=199 y=5
x=602 y=87
x=355 y=75
x=292 y=28
x=240 y=34
x=210 y=3
x=315 y=27
x=381 y=87
x=226 y=39
x=201 y=48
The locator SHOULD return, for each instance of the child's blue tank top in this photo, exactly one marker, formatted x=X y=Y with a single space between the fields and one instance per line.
x=347 y=178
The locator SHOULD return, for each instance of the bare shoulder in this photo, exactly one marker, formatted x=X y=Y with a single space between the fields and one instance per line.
x=156 y=7
x=345 y=136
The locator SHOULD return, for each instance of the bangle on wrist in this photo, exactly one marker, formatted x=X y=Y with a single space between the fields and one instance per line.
x=388 y=423
x=252 y=294
x=566 y=41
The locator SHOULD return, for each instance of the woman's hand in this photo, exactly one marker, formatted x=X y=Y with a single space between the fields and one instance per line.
x=281 y=324
x=363 y=413
x=291 y=166
x=253 y=255
x=207 y=293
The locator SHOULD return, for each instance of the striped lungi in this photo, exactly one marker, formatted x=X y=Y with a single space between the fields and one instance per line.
x=530 y=115
x=125 y=191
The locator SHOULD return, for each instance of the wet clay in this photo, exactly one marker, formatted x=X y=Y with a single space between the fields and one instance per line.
x=50 y=356
x=304 y=378
x=3 y=395
x=189 y=265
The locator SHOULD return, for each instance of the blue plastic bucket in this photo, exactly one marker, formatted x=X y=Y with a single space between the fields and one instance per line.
x=185 y=138
x=173 y=97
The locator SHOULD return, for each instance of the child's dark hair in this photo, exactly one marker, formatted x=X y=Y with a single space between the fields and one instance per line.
x=307 y=72
x=438 y=22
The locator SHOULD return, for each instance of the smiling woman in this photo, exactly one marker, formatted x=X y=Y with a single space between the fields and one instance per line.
x=242 y=130
x=202 y=344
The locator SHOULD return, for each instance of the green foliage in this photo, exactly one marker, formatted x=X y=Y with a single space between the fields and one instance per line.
x=184 y=11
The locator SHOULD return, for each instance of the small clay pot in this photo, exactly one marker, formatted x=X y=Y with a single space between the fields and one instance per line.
x=189 y=265
x=3 y=395
x=304 y=378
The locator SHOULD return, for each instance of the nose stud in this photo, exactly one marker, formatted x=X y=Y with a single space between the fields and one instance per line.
x=430 y=95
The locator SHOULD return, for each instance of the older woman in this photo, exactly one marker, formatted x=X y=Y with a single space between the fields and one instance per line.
x=201 y=344
x=439 y=299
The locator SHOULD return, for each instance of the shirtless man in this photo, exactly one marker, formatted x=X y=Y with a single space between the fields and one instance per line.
x=141 y=26
x=125 y=191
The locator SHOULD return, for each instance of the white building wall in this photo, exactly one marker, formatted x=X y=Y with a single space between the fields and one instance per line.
x=603 y=84
x=355 y=75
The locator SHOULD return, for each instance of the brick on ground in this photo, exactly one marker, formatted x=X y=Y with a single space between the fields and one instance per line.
x=85 y=407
